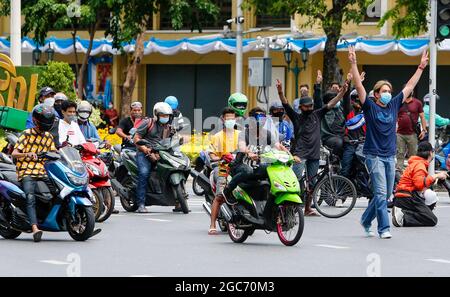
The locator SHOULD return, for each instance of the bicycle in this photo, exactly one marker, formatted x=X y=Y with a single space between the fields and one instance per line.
x=338 y=192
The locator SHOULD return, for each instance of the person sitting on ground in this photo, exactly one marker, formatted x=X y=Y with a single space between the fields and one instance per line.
x=414 y=201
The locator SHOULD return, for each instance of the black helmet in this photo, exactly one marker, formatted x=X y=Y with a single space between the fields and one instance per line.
x=43 y=117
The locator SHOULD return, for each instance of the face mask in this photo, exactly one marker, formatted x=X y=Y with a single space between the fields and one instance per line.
x=164 y=120
x=49 y=101
x=278 y=115
x=110 y=106
x=84 y=116
x=72 y=118
x=58 y=110
x=385 y=98
x=307 y=112
x=229 y=124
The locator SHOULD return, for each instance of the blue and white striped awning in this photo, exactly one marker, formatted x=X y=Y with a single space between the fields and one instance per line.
x=410 y=47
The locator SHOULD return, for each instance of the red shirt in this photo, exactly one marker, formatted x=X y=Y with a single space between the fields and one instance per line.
x=409 y=111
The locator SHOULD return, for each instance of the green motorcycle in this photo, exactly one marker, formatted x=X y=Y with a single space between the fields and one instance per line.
x=271 y=204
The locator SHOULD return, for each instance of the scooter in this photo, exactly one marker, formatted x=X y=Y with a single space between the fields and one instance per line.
x=442 y=148
x=99 y=181
x=272 y=204
x=65 y=206
x=203 y=165
x=166 y=185
x=11 y=139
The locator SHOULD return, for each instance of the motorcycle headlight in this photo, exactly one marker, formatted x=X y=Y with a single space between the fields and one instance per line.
x=279 y=186
x=94 y=169
x=76 y=180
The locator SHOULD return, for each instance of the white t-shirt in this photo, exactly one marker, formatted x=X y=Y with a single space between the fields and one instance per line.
x=72 y=130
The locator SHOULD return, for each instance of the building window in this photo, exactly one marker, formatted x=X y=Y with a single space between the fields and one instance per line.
x=206 y=23
x=279 y=21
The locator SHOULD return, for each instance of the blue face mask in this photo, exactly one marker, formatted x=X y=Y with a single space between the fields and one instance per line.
x=163 y=120
x=229 y=124
x=385 y=98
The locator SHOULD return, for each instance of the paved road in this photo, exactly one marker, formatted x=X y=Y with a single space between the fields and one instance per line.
x=165 y=244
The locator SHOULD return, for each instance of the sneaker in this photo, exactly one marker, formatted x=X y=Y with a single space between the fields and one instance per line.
x=367 y=231
x=397 y=217
x=386 y=235
x=37 y=236
x=142 y=209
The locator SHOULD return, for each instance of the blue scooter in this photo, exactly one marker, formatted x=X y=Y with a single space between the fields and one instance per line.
x=62 y=205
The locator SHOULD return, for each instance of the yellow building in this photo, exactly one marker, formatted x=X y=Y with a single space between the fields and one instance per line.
x=206 y=80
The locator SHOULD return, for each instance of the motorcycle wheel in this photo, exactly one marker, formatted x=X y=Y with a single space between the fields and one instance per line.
x=237 y=235
x=82 y=226
x=196 y=187
x=128 y=203
x=290 y=216
x=97 y=204
x=9 y=233
x=108 y=203
x=181 y=197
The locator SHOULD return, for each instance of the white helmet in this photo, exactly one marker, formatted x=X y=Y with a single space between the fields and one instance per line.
x=162 y=108
x=84 y=106
x=430 y=197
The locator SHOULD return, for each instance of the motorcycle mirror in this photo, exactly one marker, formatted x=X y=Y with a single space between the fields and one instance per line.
x=112 y=131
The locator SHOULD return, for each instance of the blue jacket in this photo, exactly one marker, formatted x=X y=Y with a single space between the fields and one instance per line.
x=89 y=130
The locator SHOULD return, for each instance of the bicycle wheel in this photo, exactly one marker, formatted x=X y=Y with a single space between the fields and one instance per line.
x=339 y=199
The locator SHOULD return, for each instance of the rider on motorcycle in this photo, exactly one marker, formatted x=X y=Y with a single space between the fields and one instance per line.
x=251 y=142
x=68 y=131
x=239 y=103
x=222 y=145
x=30 y=169
x=84 y=111
x=128 y=123
x=44 y=93
x=153 y=130
x=284 y=127
x=177 y=117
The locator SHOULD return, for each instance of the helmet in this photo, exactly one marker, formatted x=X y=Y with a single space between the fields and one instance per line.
x=162 y=108
x=172 y=101
x=238 y=102
x=84 y=110
x=430 y=197
x=427 y=98
x=136 y=104
x=43 y=116
x=274 y=106
x=354 y=95
x=60 y=96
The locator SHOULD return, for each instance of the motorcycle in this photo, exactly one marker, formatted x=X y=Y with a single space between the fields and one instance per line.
x=166 y=185
x=99 y=181
x=65 y=206
x=442 y=148
x=272 y=204
x=203 y=165
x=11 y=139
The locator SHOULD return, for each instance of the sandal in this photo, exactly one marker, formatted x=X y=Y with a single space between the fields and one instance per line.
x=213 y=231
x=37 y=236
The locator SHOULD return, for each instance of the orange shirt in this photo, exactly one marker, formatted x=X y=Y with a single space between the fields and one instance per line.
x=415 y=177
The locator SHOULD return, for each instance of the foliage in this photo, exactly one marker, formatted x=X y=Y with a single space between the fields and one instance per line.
x=412 y=22
x=60 y=77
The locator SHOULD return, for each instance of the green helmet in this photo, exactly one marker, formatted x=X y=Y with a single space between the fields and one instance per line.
x=238 y=102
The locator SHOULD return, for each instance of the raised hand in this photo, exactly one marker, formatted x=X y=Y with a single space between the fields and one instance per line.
x=279 y=86
x=424 y=60
x=352 y=55
x=319 y=78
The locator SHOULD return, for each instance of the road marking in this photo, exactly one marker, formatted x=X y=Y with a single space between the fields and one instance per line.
x=158 y=220
x=332 y=246
x=439 y=261
x=54 y=262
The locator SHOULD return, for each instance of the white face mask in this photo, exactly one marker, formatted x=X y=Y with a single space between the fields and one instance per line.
x=49 y=101
x=229 y=124
x=84 y=115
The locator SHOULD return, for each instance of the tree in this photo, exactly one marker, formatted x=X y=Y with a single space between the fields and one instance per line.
x=331 y=17
x=59 y=76
x=412 y=22
x=42 y=16
x=130 y=18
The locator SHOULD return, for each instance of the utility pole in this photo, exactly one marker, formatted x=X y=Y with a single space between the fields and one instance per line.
x=433 y=70
x=16 y=42
x=239 y=46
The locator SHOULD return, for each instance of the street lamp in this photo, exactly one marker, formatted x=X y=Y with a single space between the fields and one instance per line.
x=296 y=69
x=36 y=55
x=50 y=53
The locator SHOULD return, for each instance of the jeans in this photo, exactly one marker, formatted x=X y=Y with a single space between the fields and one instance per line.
x=382 y=176
x=347 y=159
x=405 y=143
x=144 y=168
x=29 y=185
x=312 y=167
